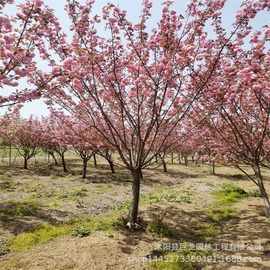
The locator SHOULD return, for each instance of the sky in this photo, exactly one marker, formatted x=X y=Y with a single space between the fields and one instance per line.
x=133 y=7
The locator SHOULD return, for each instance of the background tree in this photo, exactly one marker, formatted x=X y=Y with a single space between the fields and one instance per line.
x=27 y=138
x=240 y=106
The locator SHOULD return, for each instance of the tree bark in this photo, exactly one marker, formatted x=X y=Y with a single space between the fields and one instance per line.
x=25 y=164
x=213 y=167
x=95 y=160
x=64 y=163
x=9 y=155
x=265 y=198
x=133 y=219
x=84 y=172
x=262 y=190
x=111 y=166
x=164 y=165
x=54 y=158
x=186 y=161
x=179 y=158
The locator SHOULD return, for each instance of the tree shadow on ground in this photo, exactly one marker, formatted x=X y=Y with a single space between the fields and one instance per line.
x=189 y=226
x=179 y=174
x=233 y=177
x=183 y=226
x=18 y=217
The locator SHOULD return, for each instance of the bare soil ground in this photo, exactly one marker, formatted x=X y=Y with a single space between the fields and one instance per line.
x=57 y=198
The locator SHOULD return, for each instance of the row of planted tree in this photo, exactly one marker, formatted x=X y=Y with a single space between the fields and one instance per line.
x=142 y=91
x=59 y=134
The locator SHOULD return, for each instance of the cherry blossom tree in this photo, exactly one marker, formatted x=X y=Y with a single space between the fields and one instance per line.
x=240 y=105
x=55 y=139
x=135 y=86
x=23 y=39
x=8 y=130
x=82 y=139
x=27 y=138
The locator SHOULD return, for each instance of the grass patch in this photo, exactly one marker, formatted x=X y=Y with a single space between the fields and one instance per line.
x=219 y=215
x=25 y=241
x=209 y=231
x=255 y=193
x=15 y=209
x=81 y=231
x=160 y=229
x=107 y=222
x=168 y=195
x=230 y=193
x=74 y=194
x=221 y=210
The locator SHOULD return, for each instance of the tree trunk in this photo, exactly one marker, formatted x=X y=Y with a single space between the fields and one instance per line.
x=133 y=218
x=54 y=158
x=186 y=160
x=95 y=160
x=262 y=190
x=164 y=165
x=156 y=157
x=213 y=167
x=111 y=166
x=25 y=164
x=265 y=198
x=64 y=163
x=84 y=172
x=9 y=155
x=172 y=158
x=179 y=158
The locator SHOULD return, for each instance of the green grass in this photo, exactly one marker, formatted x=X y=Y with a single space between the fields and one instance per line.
x=81 y=231
x=219 y=215
x=161 y=229
x=167 y=195
x=107 y=223
x=208 y=231
x=230 y=193
x=17 y=209
x=73 y=194
x=45 y=233
x=227 y=195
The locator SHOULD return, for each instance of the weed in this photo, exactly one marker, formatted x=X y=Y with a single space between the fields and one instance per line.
x=74 y=194
x=25 y=241
x=168 y=196
x=4 y=248
x=209 y=231
x=255 y=193
x=81 y=231
x=159 y=228
x=79 y=193
x=220 y=215
x=26 y=208
x=230 y=193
